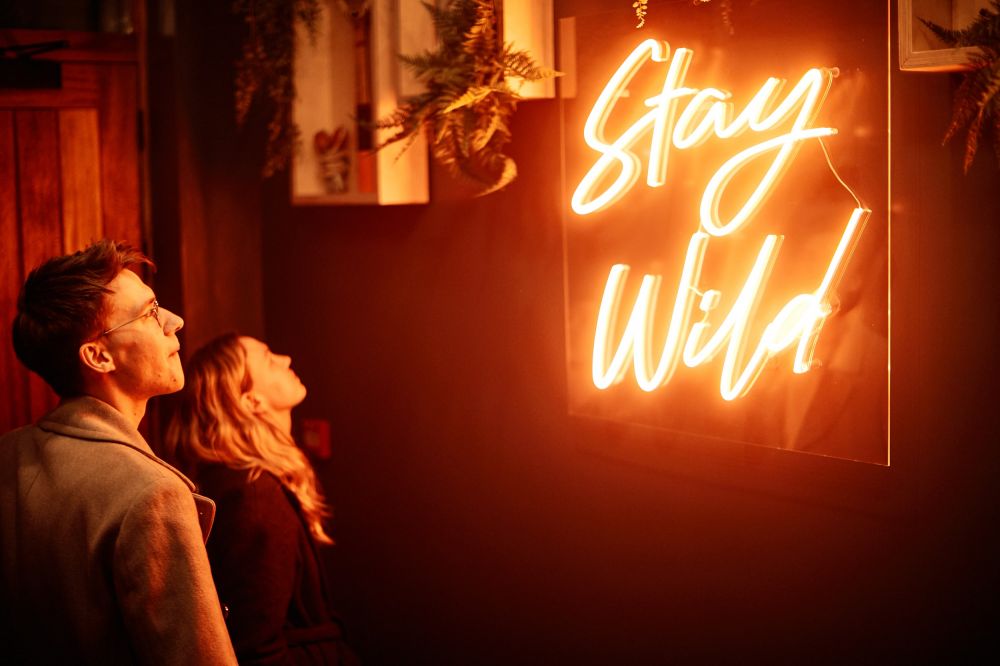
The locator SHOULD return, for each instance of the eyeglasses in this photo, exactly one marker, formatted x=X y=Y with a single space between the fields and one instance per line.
x=154 y=313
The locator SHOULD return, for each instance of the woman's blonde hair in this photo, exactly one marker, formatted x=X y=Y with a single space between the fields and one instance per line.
x=212 y=425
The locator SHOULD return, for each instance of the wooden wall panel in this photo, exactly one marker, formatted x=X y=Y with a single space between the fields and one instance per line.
x=13 y=388
x=119 y=154
x=80 y=169
x=37 y=137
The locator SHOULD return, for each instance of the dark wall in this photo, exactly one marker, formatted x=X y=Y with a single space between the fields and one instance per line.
x=204 y=172
x=478 y=523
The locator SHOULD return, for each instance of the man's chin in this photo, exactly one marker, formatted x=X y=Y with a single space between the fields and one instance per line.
x=175 y=384
x=178 y=382
x=177 y=374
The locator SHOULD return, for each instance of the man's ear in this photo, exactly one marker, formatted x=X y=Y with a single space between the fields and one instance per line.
x=95 y=357
x=252 y=402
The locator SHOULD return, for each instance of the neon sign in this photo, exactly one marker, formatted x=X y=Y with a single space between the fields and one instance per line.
x=707 y=112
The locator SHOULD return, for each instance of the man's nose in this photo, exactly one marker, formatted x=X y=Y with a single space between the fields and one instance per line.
x=174 y=322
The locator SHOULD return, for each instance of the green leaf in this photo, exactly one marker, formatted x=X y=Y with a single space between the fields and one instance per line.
x=470 y=96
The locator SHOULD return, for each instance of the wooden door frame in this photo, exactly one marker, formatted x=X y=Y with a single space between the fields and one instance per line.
x=92 y=48
x=104 y=73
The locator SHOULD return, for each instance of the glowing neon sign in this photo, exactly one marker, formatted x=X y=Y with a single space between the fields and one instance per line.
x=707 y=112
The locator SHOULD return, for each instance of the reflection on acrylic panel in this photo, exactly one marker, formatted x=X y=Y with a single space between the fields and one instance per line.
x=727 y=224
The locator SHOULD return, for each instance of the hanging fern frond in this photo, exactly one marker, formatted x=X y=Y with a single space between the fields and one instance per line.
x=521 y=64
x=468 y=106
x=264 y=69
x=977 y=103
x=472 y=95
x=982 y=30
x=443 y=66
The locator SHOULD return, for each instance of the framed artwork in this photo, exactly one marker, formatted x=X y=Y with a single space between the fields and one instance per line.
x=919 y=49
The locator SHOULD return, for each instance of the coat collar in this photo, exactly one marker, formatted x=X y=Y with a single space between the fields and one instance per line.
x=88 y=418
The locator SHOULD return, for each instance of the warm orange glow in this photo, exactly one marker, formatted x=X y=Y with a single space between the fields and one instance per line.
x=716 y=113
x=804 y=100
x=638 y=332
x=708 y=112
x=733 y=328
x=618 y=151
x=799 y=321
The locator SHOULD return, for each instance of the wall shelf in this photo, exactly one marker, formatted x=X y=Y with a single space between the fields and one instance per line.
x=529 y=25
x=337 y=87
x=352 y=71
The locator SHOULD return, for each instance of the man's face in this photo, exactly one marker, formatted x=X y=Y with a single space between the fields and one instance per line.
x=145 y=351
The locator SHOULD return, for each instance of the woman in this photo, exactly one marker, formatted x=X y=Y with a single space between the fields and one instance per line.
x=232 y=435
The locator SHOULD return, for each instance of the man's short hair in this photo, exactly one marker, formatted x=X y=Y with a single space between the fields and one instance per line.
x=62 y=304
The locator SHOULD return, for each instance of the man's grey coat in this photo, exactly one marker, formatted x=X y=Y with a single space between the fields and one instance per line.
x=102 y=557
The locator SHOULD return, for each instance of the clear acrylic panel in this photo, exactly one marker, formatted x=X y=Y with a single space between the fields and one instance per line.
x=726 y=218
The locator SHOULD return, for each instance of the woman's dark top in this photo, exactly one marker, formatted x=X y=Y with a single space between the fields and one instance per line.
x=268 y=573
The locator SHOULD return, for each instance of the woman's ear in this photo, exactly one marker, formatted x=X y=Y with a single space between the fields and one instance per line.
x=252 y=402
x=95 y=357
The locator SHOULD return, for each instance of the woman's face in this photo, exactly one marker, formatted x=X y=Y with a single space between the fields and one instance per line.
x=275 y=384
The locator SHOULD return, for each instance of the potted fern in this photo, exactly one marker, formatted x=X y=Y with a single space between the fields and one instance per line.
x=470 y=97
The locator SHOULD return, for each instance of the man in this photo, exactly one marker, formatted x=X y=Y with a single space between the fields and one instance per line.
x=102 y=557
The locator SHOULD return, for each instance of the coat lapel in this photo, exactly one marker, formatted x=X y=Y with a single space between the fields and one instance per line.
x=88 y=418
x=206 y=514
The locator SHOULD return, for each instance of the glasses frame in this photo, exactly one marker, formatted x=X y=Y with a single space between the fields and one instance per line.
x=154 y=313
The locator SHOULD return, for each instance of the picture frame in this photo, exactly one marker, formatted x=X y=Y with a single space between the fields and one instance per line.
x=919 y=49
